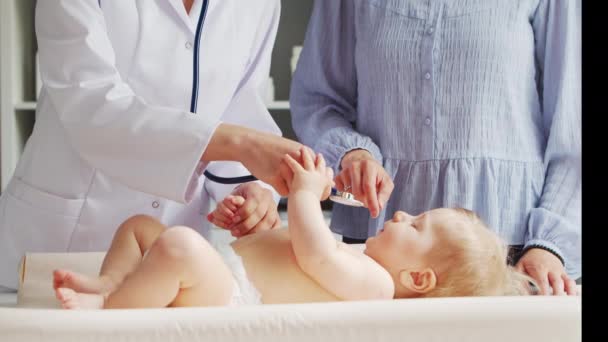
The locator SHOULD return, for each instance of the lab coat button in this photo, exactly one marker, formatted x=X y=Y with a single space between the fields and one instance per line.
x=427 y=76
x=155 y=204
x=430 y=30
x=188 y=45
x=427 y=121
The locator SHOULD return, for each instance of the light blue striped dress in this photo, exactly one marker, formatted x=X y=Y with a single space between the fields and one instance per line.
x=467 y=103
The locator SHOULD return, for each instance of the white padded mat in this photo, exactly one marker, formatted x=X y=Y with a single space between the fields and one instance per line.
x=495 y=319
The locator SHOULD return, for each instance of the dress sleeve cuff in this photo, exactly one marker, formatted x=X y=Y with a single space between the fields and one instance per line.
x=335 y=144
x=547 y=246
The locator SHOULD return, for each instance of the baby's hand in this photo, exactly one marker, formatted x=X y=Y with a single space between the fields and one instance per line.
x=311 y=175
x=224 y=213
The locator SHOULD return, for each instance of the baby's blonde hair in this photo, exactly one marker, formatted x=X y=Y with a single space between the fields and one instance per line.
x=471 y=260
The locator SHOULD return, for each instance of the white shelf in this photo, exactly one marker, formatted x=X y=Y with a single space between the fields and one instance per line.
x=25 y=106
x=276 y=105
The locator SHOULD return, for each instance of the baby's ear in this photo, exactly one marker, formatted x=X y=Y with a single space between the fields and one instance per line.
x=418 y=281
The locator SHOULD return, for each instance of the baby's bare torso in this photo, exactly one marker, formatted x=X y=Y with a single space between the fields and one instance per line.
x=271 y=266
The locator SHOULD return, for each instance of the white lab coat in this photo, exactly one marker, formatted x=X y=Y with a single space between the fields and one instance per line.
x=114 y=135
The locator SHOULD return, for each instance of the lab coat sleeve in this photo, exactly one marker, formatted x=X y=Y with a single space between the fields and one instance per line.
x=324 y=89
x=148 y=148
x=247 y=107
x=556 y=222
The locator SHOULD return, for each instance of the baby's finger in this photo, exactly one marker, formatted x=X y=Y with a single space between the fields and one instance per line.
x=292 y=163
x=219 y=222
x=307 y=160
x=330 y=173
x=320 y=162
x=224 y=209
x=233 y=202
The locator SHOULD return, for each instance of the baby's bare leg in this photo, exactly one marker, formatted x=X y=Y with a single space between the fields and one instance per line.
x=131 y=240
x=181 y=269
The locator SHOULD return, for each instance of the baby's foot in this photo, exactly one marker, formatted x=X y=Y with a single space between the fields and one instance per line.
x=80 y=282
x=73 y=300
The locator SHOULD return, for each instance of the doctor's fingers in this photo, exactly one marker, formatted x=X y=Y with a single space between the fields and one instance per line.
x=251 y=213
x=557 y=283
x=272 y=220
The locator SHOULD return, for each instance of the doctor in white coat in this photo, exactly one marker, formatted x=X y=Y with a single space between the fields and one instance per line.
x=139 y=98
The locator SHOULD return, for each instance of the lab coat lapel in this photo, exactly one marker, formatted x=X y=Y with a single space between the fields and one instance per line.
x=180 y=11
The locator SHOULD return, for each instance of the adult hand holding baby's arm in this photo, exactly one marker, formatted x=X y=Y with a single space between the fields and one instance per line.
x=249 y=209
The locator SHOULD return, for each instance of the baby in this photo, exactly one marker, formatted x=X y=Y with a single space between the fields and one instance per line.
x=442 y=252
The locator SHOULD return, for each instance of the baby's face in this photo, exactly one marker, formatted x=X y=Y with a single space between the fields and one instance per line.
x=405 y=241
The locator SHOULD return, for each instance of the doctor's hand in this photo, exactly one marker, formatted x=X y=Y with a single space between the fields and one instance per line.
x=366 y=179
x=264 y=160
x=548 y=272
x=249 y=209
x=260 y=152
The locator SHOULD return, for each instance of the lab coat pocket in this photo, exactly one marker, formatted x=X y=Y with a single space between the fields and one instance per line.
x=38 y=221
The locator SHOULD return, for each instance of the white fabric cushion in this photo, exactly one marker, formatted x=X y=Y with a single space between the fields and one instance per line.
x=473 y=319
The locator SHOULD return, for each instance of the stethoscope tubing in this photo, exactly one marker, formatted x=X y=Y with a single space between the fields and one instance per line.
x=194 y=99
x=336 y=196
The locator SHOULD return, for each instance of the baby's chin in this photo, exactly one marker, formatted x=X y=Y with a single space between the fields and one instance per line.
x=366 y=250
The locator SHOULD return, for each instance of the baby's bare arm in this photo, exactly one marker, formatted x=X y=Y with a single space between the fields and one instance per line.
x=340 y=269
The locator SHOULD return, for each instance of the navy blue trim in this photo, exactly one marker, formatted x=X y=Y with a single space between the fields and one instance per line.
x=195 y=90
x=197 y=46
x=229 y=180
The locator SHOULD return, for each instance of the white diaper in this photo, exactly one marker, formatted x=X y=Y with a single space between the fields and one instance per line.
x=245 y=292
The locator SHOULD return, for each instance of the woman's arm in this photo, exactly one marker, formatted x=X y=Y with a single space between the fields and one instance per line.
x=338 y=268
x=324 y=88
x=556 y=223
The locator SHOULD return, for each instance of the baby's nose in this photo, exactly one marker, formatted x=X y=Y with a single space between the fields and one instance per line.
x=401 y=216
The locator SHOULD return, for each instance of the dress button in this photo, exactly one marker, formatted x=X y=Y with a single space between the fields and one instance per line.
x=430 y=30
x=427 y=76
x=155 y=204
x=188 y=45
x=427 y=121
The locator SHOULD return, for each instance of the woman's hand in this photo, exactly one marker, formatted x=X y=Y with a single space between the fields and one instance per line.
x=548 y=271
x=312 y=174
x=249 y=209
x=366 y=179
